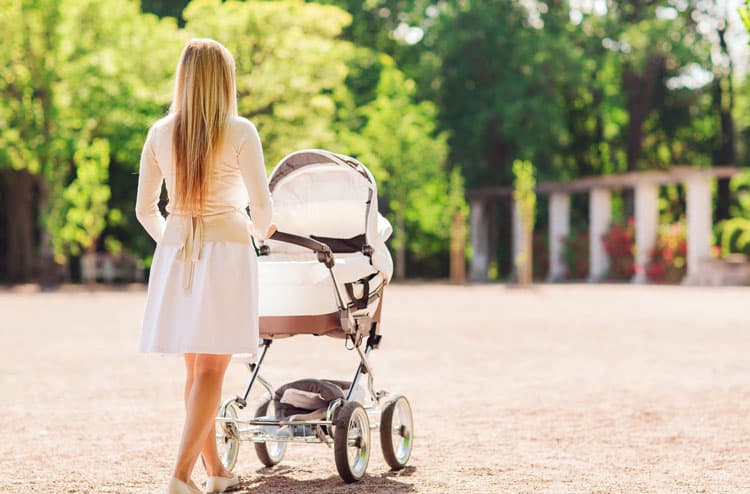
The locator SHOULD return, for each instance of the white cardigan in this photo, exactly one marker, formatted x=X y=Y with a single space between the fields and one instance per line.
x=238 y=177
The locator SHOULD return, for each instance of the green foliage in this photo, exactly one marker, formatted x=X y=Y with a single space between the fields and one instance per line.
x=77 y=71
x=495 y=81
x=524 y=196
x=85 y=213
x=744 y=12
x=524 y=183
x=734 y=234
x=739 y=186
x=290 y=65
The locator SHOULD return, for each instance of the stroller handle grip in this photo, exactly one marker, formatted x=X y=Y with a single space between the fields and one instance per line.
x=300 y=240
x=325 y=255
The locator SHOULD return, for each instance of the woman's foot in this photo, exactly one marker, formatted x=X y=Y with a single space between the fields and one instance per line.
x=222 y=483
x=177 y=486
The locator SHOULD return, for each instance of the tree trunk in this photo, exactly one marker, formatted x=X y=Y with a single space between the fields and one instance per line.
x=639 y=96
x=19 y=220
x=400 y=246
x=50 y=273
x=723 y=101
x=458 y=250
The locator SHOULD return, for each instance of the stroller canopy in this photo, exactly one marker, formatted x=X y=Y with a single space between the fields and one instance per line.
x=332 y=198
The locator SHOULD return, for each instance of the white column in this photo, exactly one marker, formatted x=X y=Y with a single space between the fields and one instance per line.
x=480 y=241
x=559 y=228
x=699 y=220
x=600 y=215
x=646 y=227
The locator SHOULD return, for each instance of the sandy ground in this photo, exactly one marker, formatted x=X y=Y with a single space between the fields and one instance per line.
x=565 y=388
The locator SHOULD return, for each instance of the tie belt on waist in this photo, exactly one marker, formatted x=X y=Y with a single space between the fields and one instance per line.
x=189 y=232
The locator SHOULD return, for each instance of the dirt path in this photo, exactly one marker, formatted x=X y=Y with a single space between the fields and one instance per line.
x=555 y=389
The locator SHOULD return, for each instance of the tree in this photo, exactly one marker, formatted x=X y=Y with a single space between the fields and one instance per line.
x=497 y=80
x=76 y=70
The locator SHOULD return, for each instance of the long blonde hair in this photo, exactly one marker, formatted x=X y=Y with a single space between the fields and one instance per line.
x=205 y=95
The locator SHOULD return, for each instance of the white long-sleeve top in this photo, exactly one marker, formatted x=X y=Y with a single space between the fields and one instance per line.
x=238 y=177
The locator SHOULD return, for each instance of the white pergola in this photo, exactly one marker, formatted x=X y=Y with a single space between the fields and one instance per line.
x=699 y=211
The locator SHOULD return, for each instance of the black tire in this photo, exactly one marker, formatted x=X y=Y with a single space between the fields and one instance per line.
x=351 y=435
x=397 y=432
x=269 y=455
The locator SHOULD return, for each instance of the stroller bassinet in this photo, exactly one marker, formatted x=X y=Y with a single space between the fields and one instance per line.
x=331 y=199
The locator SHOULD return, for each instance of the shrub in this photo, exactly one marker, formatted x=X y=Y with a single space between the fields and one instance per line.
x=619 y=242
x=733 y=235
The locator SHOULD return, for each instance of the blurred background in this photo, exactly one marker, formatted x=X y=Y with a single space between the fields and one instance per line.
x=472 y=115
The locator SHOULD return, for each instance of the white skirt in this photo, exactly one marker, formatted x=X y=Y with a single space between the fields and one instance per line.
x=218 y=315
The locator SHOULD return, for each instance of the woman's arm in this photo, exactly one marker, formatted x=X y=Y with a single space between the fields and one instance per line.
x=149 y=189
x=253 y=170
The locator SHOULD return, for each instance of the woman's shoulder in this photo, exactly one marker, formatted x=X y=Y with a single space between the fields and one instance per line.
x=240 y=127
x=157 y=128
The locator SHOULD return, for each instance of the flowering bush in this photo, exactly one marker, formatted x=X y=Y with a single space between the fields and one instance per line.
x=619 y=244
x=668 y=257
x=576 y=254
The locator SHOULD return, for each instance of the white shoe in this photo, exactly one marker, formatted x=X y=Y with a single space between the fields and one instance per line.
x=221 y=484
x=177 y=486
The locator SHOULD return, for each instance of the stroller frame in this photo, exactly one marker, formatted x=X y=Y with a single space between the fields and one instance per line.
x=389 y=413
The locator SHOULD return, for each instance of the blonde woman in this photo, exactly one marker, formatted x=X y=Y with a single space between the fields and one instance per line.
x=203 y=291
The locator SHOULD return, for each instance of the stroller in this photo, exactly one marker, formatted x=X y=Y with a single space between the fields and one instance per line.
x=322 y=273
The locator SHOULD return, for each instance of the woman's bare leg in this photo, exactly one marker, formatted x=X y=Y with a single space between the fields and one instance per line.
x=205 y=393
x=211 y=461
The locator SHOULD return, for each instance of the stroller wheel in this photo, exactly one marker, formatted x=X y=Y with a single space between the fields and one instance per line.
x=351 y=441
x=269 y=453
x=397 y=432
x=227 y=435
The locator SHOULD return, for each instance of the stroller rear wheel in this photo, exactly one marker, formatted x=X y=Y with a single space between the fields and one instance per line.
x=351 y=441
x=397 y=432
x=269 y=453
x=227 y=436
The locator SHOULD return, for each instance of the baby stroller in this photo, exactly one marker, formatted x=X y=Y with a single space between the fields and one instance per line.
x=322 y=273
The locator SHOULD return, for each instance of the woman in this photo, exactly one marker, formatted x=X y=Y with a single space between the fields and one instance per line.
x=203 y=290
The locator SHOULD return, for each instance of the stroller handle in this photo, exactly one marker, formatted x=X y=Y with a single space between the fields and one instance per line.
x=325 y=255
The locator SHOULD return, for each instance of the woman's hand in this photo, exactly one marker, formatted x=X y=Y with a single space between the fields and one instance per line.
x=258 y=236
x=271 y=231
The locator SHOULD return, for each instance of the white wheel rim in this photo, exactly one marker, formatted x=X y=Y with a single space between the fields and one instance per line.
x=275 y=450
x=402 y=428
x=358 y=442
x=226 y=446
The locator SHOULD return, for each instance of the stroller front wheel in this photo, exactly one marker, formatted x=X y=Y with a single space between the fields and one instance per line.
x=227 y=435
x=351 y=441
